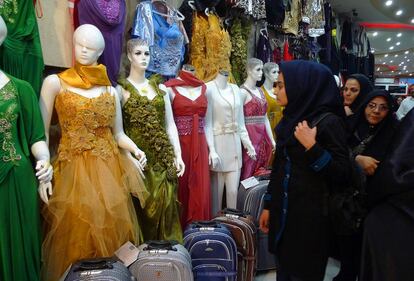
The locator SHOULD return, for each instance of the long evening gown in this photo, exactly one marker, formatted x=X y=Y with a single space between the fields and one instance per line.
x=21 y=126
x=90 y=213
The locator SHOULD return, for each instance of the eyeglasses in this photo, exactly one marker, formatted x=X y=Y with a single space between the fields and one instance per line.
x=381 y=107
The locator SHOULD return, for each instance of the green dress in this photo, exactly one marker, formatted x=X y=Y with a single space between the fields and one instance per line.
x=144 y=123
x=21 y=126
x=21 y=52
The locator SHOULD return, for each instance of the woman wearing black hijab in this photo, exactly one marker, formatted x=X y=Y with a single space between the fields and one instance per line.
x=308 y=162
x=371 y=131
x=355 y=90
x=387 y=247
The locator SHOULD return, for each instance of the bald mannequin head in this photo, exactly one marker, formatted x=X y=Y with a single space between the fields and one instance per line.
x=89 y=44
x=3 y=30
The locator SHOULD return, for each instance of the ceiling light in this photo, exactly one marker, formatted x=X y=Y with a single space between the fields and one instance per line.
x=388 y=39
x=408 y=60
x=411 y=74
x=402 y=62
x=395 y=56
x=383 y=62
x=406 y=52
x=399 y=34
x=405 y=57
x=378 y=69
x=399 y=12
x=375 y=34
x=386 y=55
x=412 y=20
x=388 y=3
x=391 y=61
x=398 y=43
x=392 y=71
x=391 y=48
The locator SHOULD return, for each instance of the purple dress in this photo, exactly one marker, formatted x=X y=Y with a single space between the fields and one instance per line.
x=254 y=118
x=109 y=17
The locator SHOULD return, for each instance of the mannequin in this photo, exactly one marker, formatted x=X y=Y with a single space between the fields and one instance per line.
x=225 y=132
x=90 y=214
x=21 y=132
x=257 y=125
x=274 y=110
x=189 y=104
x=143 y=102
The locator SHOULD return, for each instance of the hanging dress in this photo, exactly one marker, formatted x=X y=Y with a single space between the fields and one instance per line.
x=21 y=52
x=254 y=119
x=109 y=18
x=194 y=185
x=90 y=213
x=21 y=126
x=144 y=122
x=274 y=110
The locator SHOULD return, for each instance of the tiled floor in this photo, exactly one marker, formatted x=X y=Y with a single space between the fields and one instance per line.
x=331 y=270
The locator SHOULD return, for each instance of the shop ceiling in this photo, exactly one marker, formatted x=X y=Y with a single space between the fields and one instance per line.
x=390 y=28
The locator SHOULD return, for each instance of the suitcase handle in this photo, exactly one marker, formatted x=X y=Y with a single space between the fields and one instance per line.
x=206 y=224
x=95 y=264
x=160 y=245
x=235 y=212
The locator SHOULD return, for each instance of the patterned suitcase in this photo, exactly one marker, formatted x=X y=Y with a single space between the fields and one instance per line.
x=99 y=269
x=251 y=202
x=212 y=250
x=162 y=261
x=243 y=230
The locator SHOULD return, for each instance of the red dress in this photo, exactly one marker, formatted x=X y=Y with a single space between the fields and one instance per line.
x=194 y=185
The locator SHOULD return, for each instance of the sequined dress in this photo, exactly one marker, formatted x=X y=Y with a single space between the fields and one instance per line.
x=21 y=126
x=90 y=213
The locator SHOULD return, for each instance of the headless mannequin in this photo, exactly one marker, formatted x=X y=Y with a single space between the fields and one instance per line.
x=40 y=151
x=89 y=45
x=225 y=148
x=139 y=59
x=191 y=93
x=254 y=75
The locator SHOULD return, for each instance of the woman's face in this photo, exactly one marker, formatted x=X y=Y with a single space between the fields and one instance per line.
x=273 y=74
x=376 y=110
x=140 y=57
x=281 y=90
x=256 y=72
x=351 y=91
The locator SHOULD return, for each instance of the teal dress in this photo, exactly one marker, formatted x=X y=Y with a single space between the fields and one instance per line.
x=21 y=126
x=144 y=123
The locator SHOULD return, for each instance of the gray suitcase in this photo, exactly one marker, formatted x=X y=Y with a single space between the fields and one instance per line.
x=99 y=269
x=251 y=202
x=162 y=261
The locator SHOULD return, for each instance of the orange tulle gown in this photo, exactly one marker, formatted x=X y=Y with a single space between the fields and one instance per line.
x=90 y=213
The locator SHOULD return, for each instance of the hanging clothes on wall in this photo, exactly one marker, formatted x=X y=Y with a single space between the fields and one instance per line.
x=254 y=8
x=21 y=53
x=109 y=17
x=210 y=47
x=264 y=50
x=292 y=17
x=314 y=12
x=239 y=33
x=275 y=12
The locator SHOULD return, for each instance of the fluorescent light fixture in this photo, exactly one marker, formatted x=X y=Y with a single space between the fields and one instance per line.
x=408 y=60
x=399 y=34
x=375 y=34
x=388 y=3
x=395 y=56
x=388 y=39
x=386 y=55
x=383 y=62
x=412 y=20
x=391 y=61
x=399 y=13
x=398 y=43
x=391 y=48
x=406 y=52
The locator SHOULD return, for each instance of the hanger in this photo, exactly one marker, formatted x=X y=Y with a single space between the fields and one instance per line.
x=192 y=5
x=173 y=13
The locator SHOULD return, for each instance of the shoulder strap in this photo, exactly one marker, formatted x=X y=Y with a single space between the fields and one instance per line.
x=319 y=118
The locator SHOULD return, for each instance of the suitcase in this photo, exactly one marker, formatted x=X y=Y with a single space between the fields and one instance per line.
x=212 y=250
x=162 y=261
x=243 y=230
x=99 y=269
x=251 y=202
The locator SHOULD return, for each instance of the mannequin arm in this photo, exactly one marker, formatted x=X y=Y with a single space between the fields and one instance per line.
x=50 y=89
x=122 y=139
x=173 y=134
x=244 y=135
x=120 y=92
x=269 y=133
x=44 y=171
x=213 y=158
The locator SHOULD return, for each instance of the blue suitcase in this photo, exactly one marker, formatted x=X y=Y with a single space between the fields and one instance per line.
x=212 y=250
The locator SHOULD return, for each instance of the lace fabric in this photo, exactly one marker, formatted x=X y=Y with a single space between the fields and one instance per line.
x=110 y=9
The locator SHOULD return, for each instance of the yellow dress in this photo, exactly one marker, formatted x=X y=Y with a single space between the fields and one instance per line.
x=274 y=111
x=210 y=47
x=90 y=213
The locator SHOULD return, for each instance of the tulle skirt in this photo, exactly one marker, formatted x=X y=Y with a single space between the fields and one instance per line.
x=90 y=213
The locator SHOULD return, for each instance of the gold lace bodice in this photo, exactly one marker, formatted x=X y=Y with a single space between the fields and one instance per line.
x=86 y=125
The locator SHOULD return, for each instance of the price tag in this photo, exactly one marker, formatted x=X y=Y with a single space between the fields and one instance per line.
x=128 y=253
x=249 y=182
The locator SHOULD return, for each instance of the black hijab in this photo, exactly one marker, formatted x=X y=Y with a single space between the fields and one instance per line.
x=365 y=88
x=383 y=132
x=311 y=90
